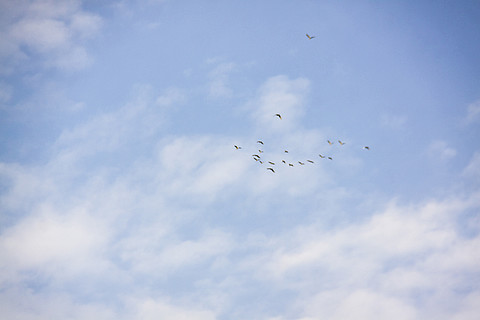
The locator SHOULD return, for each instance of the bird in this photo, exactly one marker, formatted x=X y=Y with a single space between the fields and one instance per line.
x=341 y=143
x=260 y=141
x=237 y=147
x=284 y=161
x=310 y=161
x=256 y=156
x=272 y=163
x=261 y=151
x=271 y=169
x=321 y=156
x=286 y=151
x=290 y=164
x=301 y=163
x=330 y=158
x=278 y=115
x=329 y=142
x=366 y=148
x=309 y=37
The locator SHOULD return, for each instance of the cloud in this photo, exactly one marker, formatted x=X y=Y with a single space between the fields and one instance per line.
x=473 y=112
x=218 y=86
x=50 y=29
x=283 y=96
x=440 y=150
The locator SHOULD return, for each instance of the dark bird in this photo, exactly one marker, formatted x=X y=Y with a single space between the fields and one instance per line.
x=286 y=151
x=330 y=158
x=272 y=163
x=284 y=161
x=260 y=141
x=278 y=115
x=309 y=37
x=256 y=156
x=341 y=143
x=329 y=142
x=271 y=169
x=237 y=147
x=290 y=164
x=310 y=161
x=321 y=156
x=366 y=148
x=261 y=151
x=301 y=163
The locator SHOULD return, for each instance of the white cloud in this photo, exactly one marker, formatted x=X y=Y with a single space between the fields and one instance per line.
x=472 y=170
x=441 y=150
x=473 y=112
x=218 y=86
x=56 y=30
x=283 y=96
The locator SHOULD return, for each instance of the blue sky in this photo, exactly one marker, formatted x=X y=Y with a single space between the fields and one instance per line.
x=122 y=195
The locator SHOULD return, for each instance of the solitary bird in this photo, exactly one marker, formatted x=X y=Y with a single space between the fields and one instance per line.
x=309 y=37
x=329 y=142
x=286 y=151
x=237 y=147
x=260 y=141
x=341 y=143
x=271 y=169
x=278 y=115
x=366 y=148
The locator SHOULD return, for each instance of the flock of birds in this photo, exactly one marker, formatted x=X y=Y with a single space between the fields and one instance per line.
x=260 y=160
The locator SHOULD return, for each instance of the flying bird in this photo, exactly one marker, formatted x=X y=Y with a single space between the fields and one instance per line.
x=261 y=151
x=310 y=161
x=330 y=158
x=272 y=163
x=321 y=156
x=286 y=151
x=260 y=141
x=237 y=147
x=271 y=169
x=256 y=156
x=329 y=142
x=278 y=115
x=290 y=164
x=366 y=148
x=284 y=161
x=341 y=143
x=309 y=37
x=301 y=163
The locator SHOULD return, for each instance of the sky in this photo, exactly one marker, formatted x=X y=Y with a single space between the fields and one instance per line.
x=122 y=195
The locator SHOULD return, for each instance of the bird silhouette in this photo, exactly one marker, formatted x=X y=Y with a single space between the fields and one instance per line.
x=261 y=151
x=341 y=143
x=366 y=148
x=272 y=163
x=278 y=115
x=310 y=161
x=290 y=164
x=237 y=147
x=301 y=163
x=330 y=158
x=309 y=37
x=321 y=156
x=329 y=142
x=271 y=169
x=286 y=151
x=260 y=141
